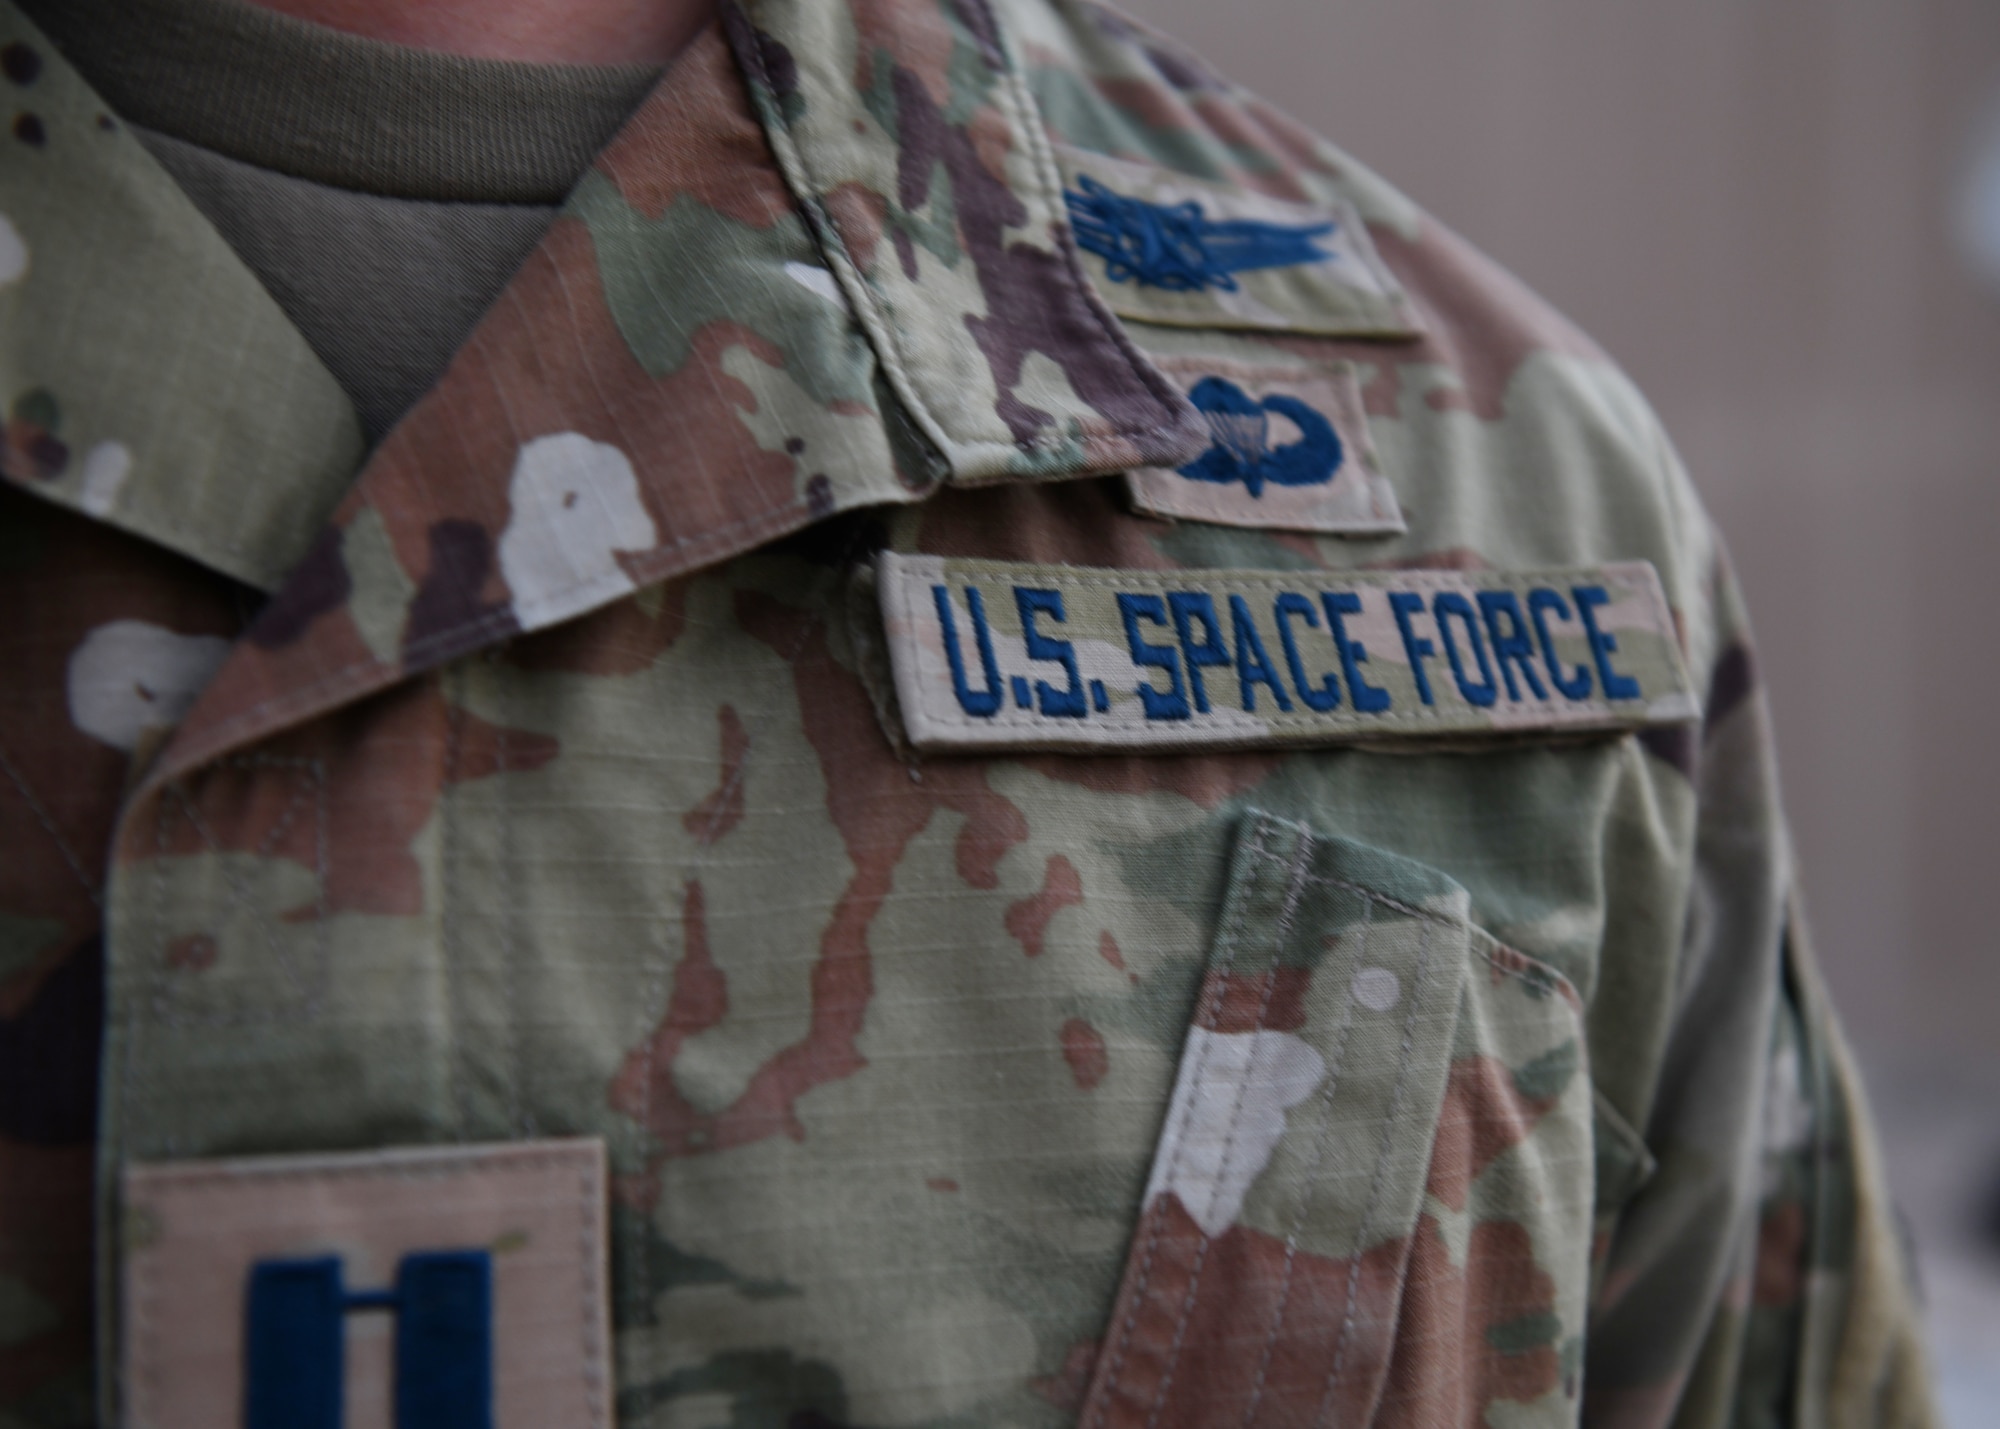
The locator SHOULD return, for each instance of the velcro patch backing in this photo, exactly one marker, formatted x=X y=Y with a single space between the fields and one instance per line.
x=451 y=1287
x=998 y=655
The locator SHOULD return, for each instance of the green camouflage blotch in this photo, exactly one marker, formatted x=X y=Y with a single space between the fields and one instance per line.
x=660 y=301
x=769 y=1389
x=1525 y=1332
x=1545 y=1078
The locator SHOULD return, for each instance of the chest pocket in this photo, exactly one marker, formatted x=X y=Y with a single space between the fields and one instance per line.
x=1371 y=1198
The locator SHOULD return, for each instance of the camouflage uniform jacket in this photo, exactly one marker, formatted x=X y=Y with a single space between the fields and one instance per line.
x=555 y=773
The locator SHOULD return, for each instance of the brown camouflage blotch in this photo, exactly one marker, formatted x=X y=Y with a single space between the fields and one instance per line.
x=621 y=638
x=992 y=140
x=1505 y=962
x=1242 y=1330
x=1227 y=121
x=30 y=452
x=1027 y=920
x=643 y=1088
x=318 y=584
x=1451 y=558
x=876 y=809
x=60 y=788
x=384 y=789
x=1296 y=143
x=1479 y=321
x=917 y=39
x=191 y=952
x=1075 y=523
x=460 y=588
x=1273 y=1001
x=1148 y=104
x=1446 y=1370
x=695 y=136
x=1036 y=301
x=722 y=810
x=1083 y=1048
x=860 y=214
x=1067 y=1386
x=1107 y=949
x=1483 y=1115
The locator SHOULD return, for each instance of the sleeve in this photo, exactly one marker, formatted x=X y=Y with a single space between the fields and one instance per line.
x=1757 y=1278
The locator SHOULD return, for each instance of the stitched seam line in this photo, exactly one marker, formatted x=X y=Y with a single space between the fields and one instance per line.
x=1143 y=1280
x=309 y=984
x=862 y=293
x=1302 y=853
x=831 y=589
x=309 y=698
x=450 y=935
x=1539 y=968
x=1320 y=1144
x=1027 y=119
x=48 y=823
x=1404 y=1061
x=440 y=1163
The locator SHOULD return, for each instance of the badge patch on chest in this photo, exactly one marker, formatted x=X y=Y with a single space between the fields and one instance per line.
x=445 y=1288
x=1166 y=248
x=997 y=655
x=1290 y=452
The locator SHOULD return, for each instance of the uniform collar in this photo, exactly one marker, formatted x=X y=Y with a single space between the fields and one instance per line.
x=147 y=378
x=823 y=266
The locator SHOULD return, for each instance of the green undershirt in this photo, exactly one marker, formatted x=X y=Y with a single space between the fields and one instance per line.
x=384 y=195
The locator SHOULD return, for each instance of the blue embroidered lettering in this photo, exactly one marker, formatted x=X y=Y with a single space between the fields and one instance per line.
x=1241 y=427
x=1542 y=600
x=1190 y=605
x=1513 y=646
x=1024 y=698
x=1100 y=698
x=1059 y=704
x=1288 y=605
x=1449 y=603
x=980 y=703
x=1253 y=666
x=1158 y=704
x=1353 y=654
x=1178 y=247
x=1415 y=647
x=1617 y=686
x=295 y=1341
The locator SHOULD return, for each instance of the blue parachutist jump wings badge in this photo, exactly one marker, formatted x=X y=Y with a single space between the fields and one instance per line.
x=1178 y=247
x=1241 y=426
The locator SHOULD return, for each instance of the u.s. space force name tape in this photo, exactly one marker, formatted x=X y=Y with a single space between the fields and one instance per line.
x=999 y=655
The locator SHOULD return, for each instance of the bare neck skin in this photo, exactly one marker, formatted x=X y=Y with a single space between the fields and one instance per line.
x=583 y=32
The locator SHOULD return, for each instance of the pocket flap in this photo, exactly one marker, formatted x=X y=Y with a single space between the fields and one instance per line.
x=1270 y=1253
x=1373 y=1183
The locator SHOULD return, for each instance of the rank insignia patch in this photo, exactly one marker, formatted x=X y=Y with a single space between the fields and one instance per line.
x=1290 y=452
x=435 y=1288
x=997 y=655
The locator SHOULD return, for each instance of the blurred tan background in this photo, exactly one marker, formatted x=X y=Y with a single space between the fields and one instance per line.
x=1750 y=203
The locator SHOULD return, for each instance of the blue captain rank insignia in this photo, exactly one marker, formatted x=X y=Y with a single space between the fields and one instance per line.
x=1241 y=426
x=1177 y=246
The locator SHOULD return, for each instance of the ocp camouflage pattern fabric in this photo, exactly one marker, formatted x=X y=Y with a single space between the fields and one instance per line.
x=532 y=778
